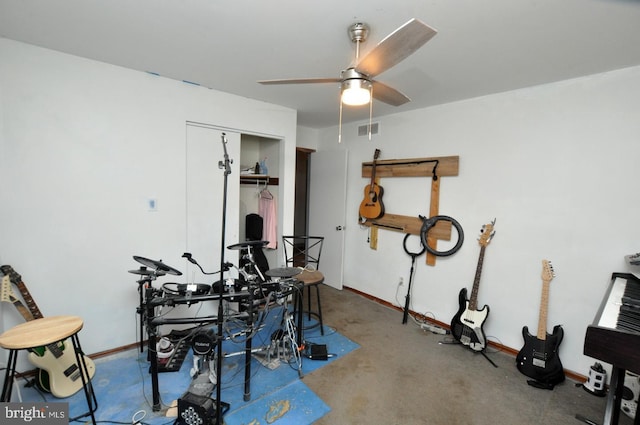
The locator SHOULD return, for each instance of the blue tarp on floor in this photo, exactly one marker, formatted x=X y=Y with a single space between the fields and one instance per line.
x=122 y=384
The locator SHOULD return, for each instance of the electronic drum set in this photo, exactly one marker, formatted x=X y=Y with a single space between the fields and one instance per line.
x=253 y=289
x=251 y=279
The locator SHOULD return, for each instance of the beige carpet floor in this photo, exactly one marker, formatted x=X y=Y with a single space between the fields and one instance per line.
x=403 y=375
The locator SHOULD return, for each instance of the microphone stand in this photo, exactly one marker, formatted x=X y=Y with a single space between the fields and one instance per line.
x=413 y=255
x=226 y=166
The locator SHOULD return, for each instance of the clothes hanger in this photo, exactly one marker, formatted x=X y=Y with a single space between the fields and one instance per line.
x=265 y=193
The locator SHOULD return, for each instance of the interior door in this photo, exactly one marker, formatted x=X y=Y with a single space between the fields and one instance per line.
x=327 y=210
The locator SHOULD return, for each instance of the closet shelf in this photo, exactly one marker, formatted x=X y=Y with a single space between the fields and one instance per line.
x=258 y=178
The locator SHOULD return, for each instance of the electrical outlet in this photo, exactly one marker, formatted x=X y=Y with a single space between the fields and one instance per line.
x=401 y=281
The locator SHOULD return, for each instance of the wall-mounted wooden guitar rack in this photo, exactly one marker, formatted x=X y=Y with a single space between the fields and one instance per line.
x=435 y=168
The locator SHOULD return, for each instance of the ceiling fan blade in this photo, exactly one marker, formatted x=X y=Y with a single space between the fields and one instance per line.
x=396 y=47
x=301 y=81
x=388 y=95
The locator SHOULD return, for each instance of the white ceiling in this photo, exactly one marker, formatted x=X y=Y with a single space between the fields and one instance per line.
x=482 y=47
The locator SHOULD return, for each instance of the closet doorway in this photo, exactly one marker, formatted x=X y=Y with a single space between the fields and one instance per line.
x=265 y=153
x=301 y=200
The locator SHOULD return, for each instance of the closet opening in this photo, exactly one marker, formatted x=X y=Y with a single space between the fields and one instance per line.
x=301 y=201
x=260 y=190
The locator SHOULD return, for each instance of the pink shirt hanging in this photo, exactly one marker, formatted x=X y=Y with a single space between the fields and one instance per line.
x=267 y=210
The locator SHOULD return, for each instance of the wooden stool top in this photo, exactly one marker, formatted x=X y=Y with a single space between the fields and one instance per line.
x=310 y=277
x=40 y=332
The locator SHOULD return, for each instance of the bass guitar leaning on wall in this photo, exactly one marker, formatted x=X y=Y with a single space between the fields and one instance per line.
x=467 y=324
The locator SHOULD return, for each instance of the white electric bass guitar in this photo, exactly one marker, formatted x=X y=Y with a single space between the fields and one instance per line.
x=466 y=325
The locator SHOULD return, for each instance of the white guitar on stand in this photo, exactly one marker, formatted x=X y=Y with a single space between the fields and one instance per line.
x=466 y=325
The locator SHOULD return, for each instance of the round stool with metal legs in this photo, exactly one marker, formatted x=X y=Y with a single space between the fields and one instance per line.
x=43 y=332
x=313 y=279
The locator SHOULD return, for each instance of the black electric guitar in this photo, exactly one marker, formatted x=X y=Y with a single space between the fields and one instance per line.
x=466 y=325
x=58 y=371
x=538 y=358
x=371 y=206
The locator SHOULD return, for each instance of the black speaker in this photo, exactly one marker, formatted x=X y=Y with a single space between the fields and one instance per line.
x=198 y=410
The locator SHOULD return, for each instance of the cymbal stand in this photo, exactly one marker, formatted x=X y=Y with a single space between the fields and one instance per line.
x=252 y=280
x=144 y=283
x=252 y=263
x=152 y=355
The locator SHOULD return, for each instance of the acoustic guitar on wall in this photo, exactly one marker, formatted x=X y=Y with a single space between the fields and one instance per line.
x=58 y=371
x=371 y=206
x=539 y=358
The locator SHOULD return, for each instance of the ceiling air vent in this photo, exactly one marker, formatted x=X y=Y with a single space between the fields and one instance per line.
x=363 y=130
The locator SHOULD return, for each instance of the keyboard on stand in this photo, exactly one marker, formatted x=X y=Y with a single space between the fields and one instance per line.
x=614 y=337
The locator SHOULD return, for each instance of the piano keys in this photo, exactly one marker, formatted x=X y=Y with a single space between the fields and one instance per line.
x=614 y=337
x=622 y=307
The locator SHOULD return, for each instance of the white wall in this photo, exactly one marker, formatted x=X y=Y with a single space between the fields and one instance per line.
x=307 y=137
x=556 y=165
x=82 y=146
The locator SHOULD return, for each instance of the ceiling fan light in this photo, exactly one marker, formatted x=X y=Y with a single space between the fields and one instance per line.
x=356 y=92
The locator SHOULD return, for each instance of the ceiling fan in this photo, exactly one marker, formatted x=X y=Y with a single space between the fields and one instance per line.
x=357 y=85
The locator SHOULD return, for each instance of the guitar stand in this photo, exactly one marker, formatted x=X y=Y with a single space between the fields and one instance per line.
x=454 y=342
x=585 y=420
x=488 y=359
